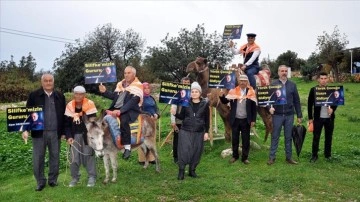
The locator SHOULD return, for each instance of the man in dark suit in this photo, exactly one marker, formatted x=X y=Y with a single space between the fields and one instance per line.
x=53 y=103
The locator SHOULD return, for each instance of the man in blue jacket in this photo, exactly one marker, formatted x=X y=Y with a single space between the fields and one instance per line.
x=283 y=116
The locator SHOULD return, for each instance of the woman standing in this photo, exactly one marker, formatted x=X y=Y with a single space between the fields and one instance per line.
x=149 y=107
x=194 y=131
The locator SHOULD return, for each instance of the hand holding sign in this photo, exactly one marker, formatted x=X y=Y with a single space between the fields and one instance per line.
x=102 y=88
x=330 y=110
x=231 y=44
x=25 y=136
x=272 y=109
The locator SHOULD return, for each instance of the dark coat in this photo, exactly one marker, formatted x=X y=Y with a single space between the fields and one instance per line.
x=250 y=108
x=131 y=104
x=37 y=98
x=292 y=98
x=317 y=109
x=195 y=122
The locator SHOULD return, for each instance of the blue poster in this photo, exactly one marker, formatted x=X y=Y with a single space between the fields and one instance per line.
x=25 y=118
x=174 y=93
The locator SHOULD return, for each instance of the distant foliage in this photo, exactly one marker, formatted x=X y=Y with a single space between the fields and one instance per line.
x=17 y=80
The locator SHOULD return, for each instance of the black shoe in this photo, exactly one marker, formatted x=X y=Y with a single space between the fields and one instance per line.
x=192 y=174
x=40 y=187
x=313 y=159
x=181 y=174
x=53 y=184
x=126 y=154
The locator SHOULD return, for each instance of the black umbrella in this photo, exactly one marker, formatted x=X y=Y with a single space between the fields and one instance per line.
x=298 y=135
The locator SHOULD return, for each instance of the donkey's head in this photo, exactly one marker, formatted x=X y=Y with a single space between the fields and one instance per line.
x=95 y=135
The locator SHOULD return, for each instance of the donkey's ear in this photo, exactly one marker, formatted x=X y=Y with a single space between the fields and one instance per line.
x=102 y=114
x=85 y=118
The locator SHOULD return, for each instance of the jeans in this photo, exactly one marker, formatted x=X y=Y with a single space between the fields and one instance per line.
x=250 y=72
x=113 y=127
x=278 y=122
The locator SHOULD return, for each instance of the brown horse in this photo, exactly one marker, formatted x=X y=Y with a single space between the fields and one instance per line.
x=200 y=67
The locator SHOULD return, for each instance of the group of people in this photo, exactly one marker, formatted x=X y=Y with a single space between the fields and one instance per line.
x=61 y=120
x=190 y=123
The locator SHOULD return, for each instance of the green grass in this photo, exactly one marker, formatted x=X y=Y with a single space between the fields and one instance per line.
x=335 y=180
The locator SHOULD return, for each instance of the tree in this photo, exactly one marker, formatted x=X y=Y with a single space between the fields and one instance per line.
x=104 y=44
x=27 y=66
x=331 y=47
x=289 y=59
x=169 y=61
x=311 y=66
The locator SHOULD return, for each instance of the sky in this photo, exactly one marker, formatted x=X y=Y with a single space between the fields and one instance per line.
x=279 y=25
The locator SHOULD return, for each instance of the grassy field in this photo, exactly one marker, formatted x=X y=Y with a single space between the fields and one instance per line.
x=334 y=180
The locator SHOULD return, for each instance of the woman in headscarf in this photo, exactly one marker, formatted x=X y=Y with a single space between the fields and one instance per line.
x=149 y=107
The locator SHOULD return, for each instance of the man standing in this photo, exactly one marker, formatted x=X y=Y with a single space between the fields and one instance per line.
x=53 y=103
x=283 y=116
x=76 y=135
x=321 y=116
x=242 y=117
x=176 y=123
x=127 y=99
x=251 y=52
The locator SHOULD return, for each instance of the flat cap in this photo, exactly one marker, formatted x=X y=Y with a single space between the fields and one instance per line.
x=251 y=35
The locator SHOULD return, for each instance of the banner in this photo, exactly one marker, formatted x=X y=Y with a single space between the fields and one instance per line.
x=174 y=93
x=271 y=95
x=329 y=95
x=232 y=31
x=222 y=79
x=100 y=72
x=25 y=118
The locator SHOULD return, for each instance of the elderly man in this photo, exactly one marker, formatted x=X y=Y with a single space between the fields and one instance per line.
x=242 y=117
x=76 y=135
x=53 y=103
x=251 y=52
x=283 y=116
x=127 y=99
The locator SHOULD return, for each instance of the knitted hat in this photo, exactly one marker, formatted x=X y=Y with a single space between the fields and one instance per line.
x=195 y=85
x=79 y=89
x=243 y=77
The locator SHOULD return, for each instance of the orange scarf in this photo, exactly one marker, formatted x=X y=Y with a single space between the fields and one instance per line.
x=88 y=107
x=246 y=49
x=236 y=94
x=135 y=88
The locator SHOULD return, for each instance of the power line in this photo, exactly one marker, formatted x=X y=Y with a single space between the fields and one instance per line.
x=36 y=34
x=36 y=37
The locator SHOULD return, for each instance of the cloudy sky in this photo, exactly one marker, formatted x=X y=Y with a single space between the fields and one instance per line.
x=280 y=25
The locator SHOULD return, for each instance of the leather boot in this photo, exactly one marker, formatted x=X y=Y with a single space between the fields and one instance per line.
x=181 y=174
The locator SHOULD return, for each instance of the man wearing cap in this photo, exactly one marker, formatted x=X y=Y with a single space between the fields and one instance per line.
x=53 y=103
x=251 y=52
x=127 y=99
x=242 y=116
x=76 y=135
